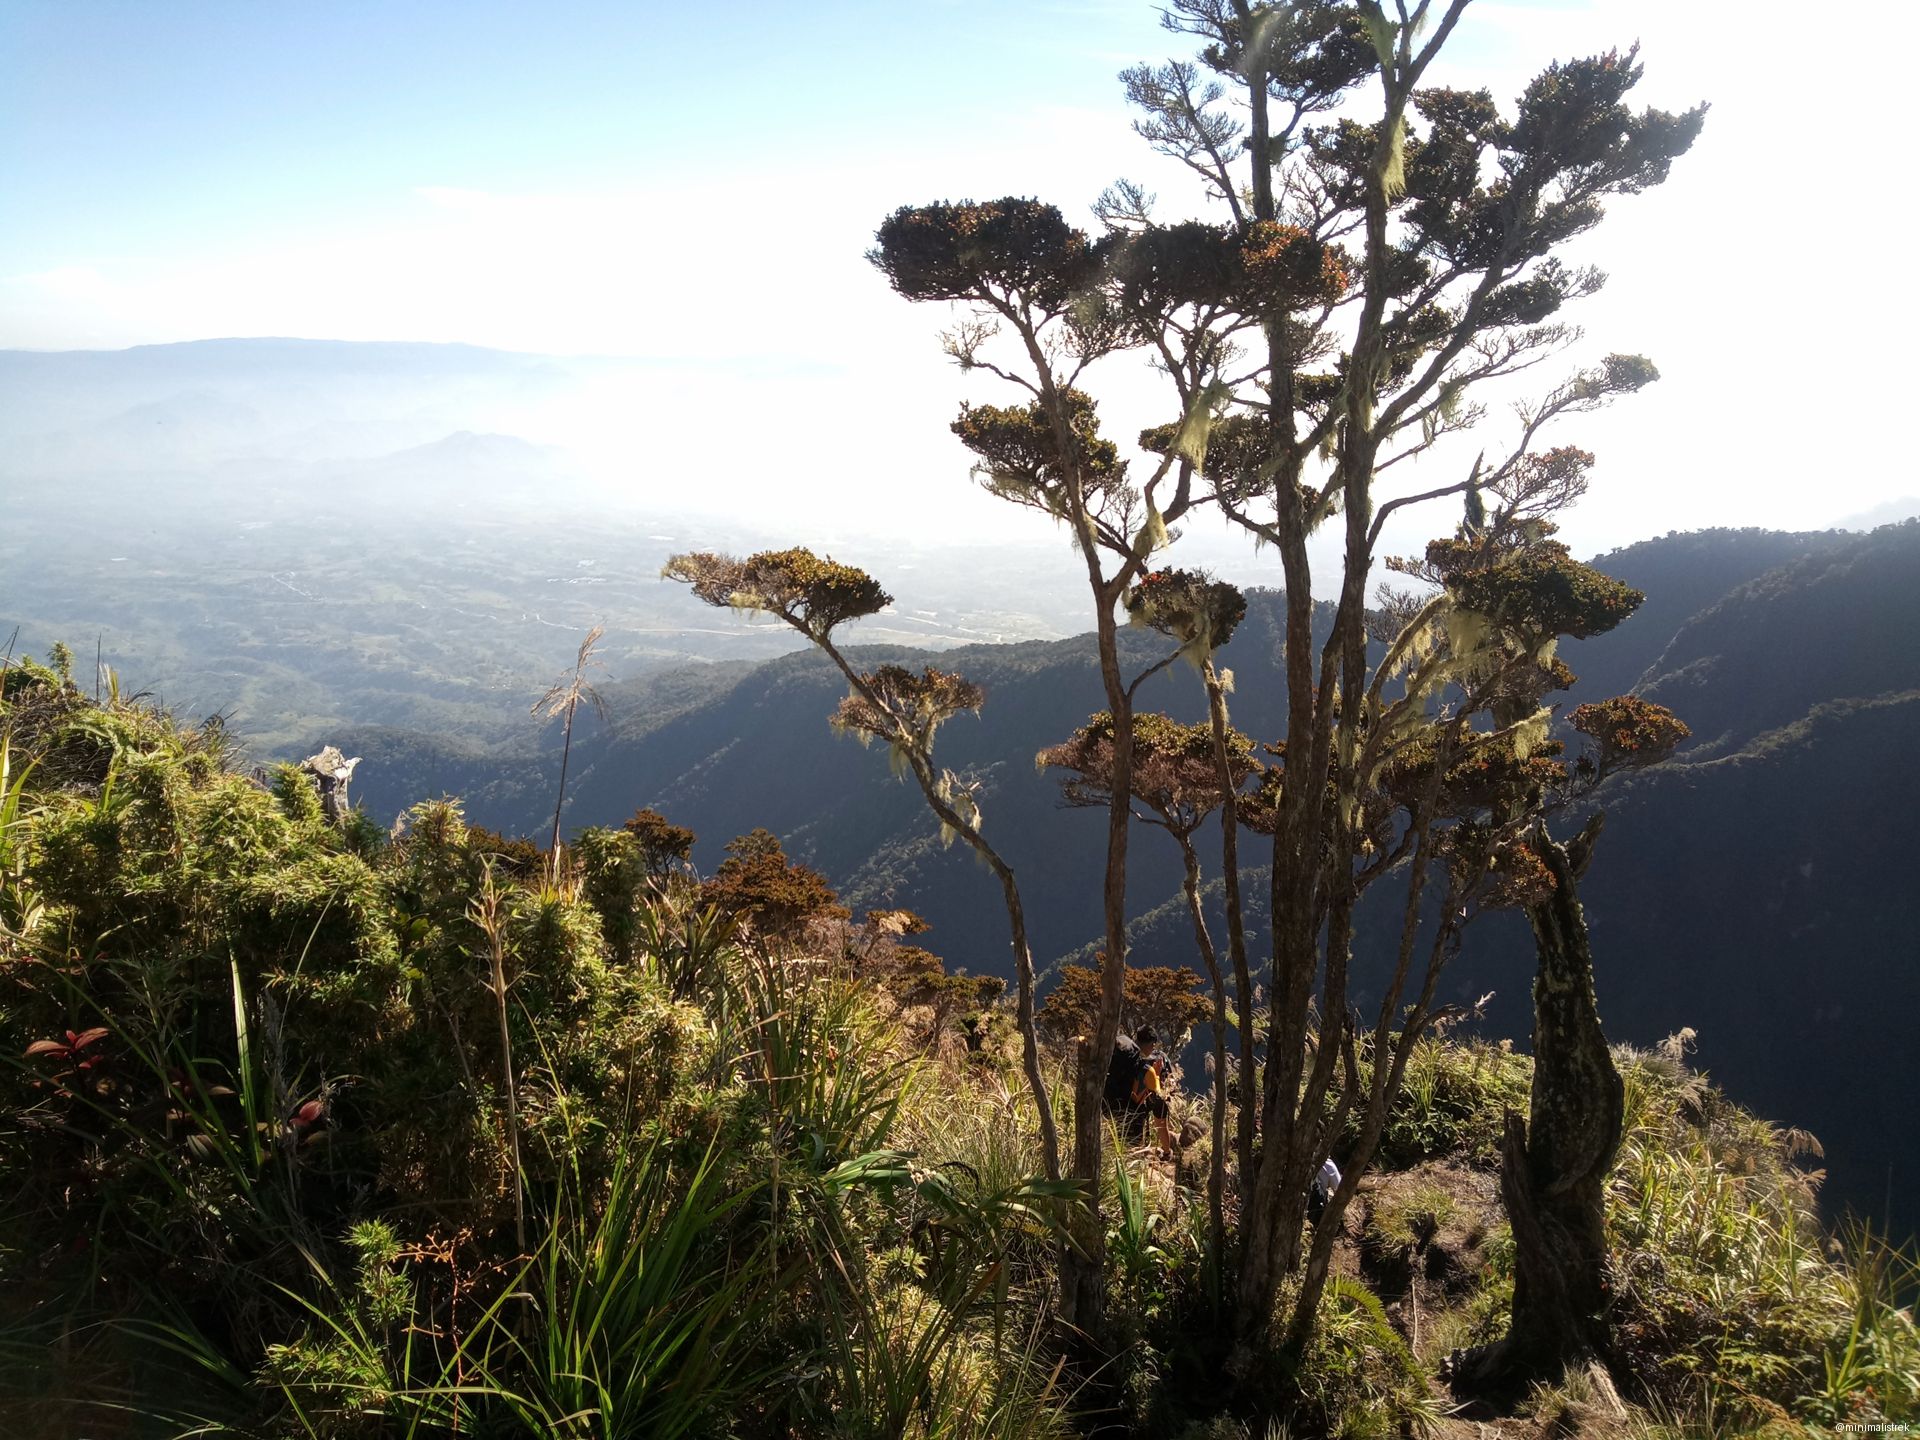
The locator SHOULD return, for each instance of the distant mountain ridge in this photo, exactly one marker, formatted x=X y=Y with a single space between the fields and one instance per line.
x=1681 y=574
x=1833 y=624
x=202 y=402
x=1888 y=512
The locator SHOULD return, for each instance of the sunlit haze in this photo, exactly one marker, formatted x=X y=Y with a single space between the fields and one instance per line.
x=696 y=189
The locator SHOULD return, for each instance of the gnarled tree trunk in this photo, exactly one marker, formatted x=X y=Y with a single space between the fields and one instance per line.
x=1553 y=1171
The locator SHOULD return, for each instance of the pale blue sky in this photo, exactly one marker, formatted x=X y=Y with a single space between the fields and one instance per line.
x=142 y=130
x=699 y=185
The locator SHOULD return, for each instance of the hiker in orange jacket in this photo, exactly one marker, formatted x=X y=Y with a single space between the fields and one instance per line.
x=1149 y=1095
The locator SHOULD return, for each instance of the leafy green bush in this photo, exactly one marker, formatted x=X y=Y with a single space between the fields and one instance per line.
x=1357 y=1377
x=267 y=1110
x=1451 y=1103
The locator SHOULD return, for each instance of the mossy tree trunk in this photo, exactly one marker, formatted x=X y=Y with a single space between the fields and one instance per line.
x=1246 y=1095
x=1217 y=1130
x=1554 y=1167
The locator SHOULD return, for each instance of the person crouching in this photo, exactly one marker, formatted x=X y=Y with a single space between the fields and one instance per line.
x=1136 y=1088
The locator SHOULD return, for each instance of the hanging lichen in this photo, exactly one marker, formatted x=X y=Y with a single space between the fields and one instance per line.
x=1393 y=174
x=1531 y=733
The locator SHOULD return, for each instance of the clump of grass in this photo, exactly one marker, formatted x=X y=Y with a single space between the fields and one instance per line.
x=1731 y=1300
x=1404 y=1219
x=1481 y=1316
x=1228 y=1427
x=1452 y=1101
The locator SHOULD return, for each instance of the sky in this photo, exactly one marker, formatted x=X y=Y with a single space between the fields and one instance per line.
x=698 y=186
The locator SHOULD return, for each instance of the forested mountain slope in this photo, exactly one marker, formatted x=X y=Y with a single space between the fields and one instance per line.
x=1835 y=624
x=764 y=755
x=1766 y=898
x=1756 y=889
x=1681 y=575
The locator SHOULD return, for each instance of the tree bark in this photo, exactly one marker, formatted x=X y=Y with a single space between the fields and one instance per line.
x=1236 y=923
x=1554 y=1166
x=1083 y=1263
x=1029 y=1037
x=1217 y=1158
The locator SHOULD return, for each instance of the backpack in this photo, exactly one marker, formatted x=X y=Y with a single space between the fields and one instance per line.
x=1124 y=1072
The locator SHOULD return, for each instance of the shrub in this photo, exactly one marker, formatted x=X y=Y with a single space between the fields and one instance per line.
x=1357 y=1377
x=1726 y=1295
x=1452 y=1101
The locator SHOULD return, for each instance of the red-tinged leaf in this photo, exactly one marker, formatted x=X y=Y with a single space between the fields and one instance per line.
x=308 y=1113
x=88 y=1037
x=46 y=1047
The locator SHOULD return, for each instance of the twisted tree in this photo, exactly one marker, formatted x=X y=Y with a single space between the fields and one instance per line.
x=1371 y=272
x=902 y=710
x=1554 y=1165
x=1180 y=782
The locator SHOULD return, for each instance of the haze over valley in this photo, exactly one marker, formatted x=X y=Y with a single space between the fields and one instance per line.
x=306 y=534
x=324 y=543
x=1097 y=720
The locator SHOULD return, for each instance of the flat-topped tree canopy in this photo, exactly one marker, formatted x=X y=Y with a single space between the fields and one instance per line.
x=1021 y=457
x=902 y=707
x=1175 y=769
x=1160 y=268
x=1628 y=733
x=1286 y=269
x=1262 y=269
x=811 y=593
x=1188 y=605
x=1009 y=249
x=1484 y=773
x=1543 y=592
x=1165 y=997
